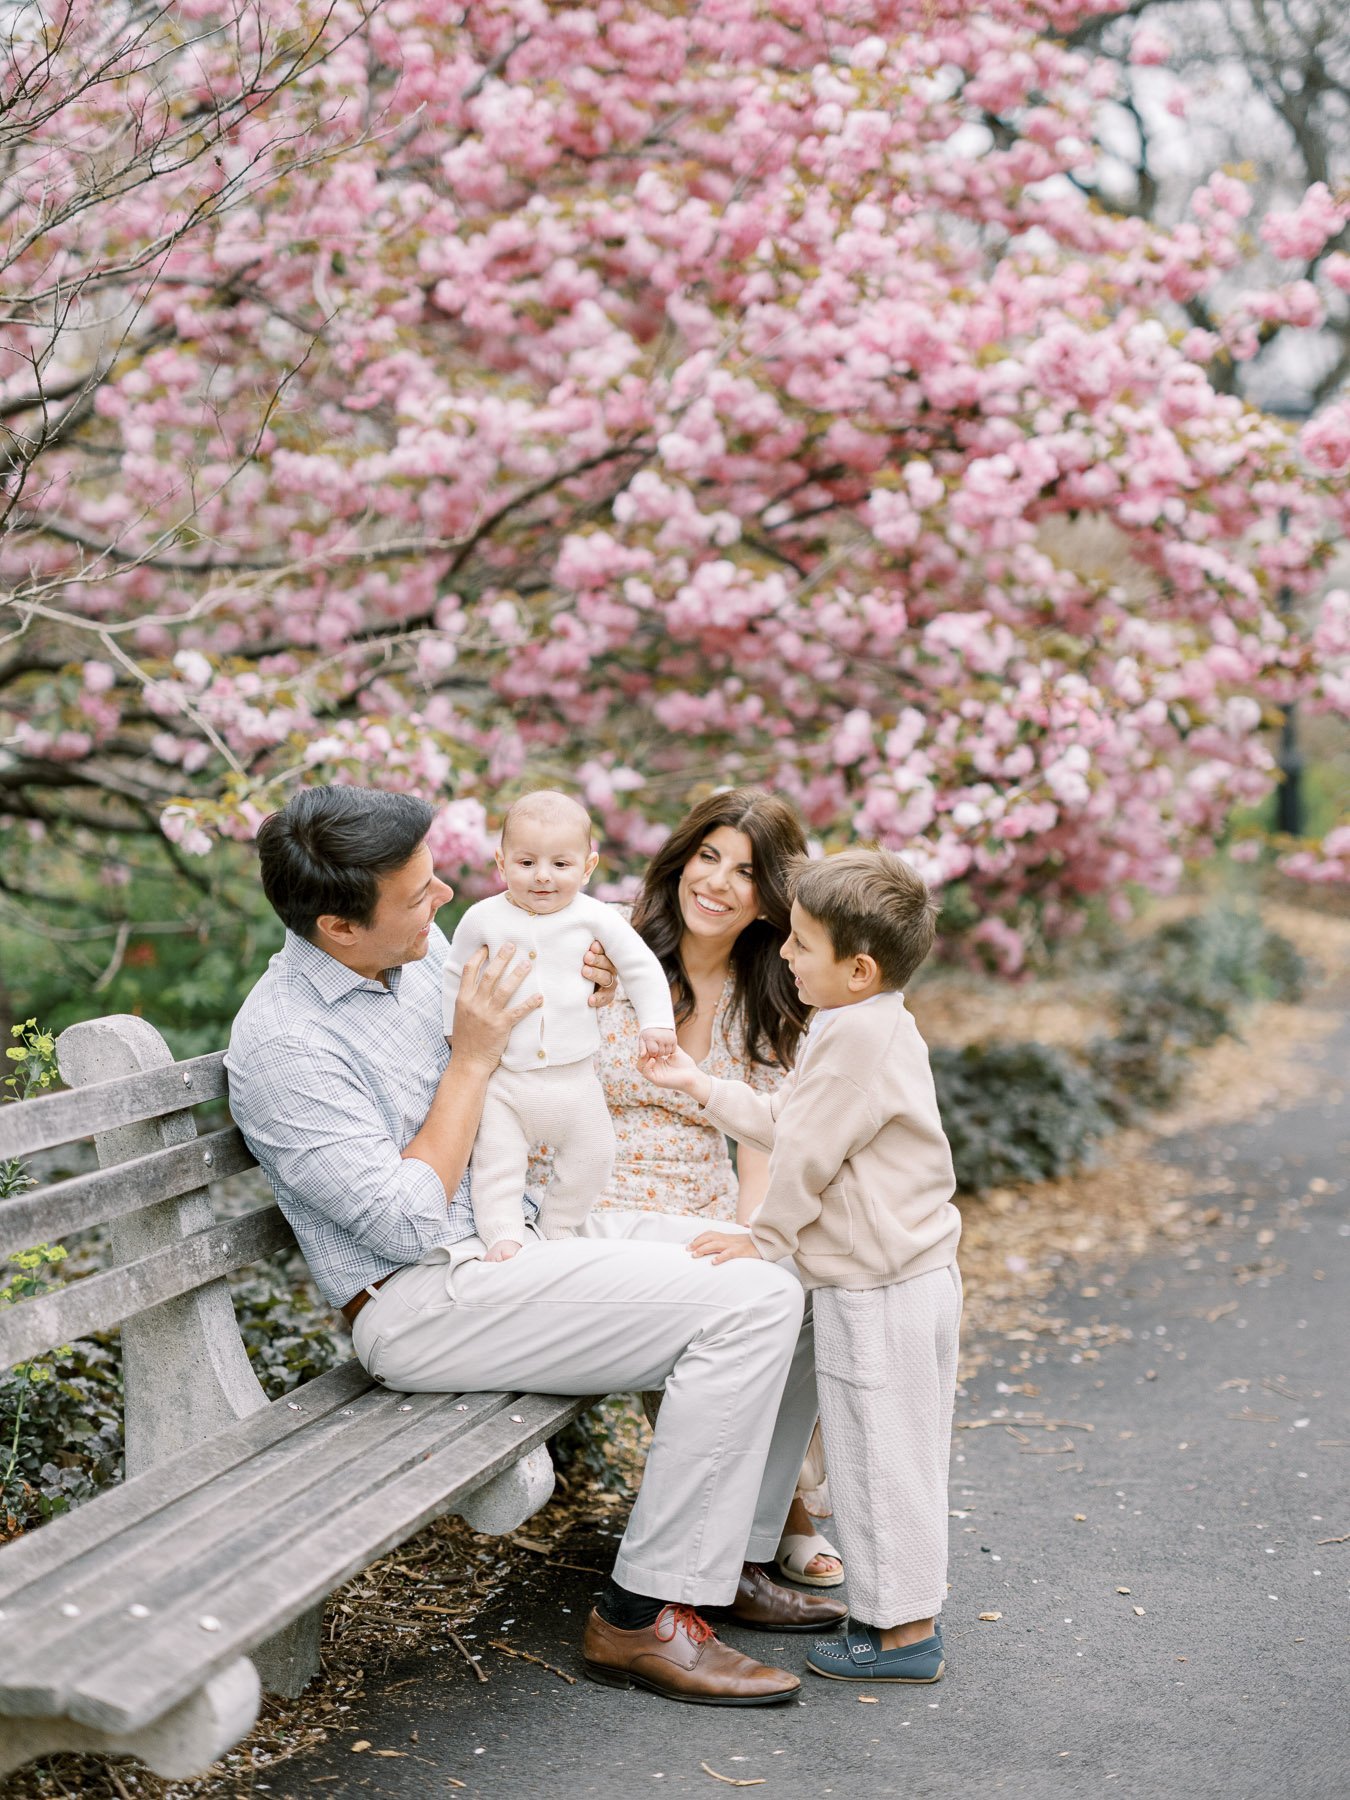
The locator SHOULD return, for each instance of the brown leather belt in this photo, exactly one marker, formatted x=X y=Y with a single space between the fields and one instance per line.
x=357 y=1301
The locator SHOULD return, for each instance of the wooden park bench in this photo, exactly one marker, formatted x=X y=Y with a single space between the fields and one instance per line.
x=147 y=1620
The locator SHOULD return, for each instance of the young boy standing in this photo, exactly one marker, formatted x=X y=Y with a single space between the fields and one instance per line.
x=860 y=1196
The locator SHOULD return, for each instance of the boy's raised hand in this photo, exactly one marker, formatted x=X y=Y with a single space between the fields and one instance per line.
x=723 y=1245
x=677 y=1071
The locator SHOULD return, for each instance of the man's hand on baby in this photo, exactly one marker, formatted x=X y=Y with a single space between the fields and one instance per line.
x=723 y=1245
x=657 y=1042
x=502 y=1251
x=486 y=1011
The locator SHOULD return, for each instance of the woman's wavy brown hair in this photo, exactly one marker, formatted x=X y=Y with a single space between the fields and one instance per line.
x=764 y=993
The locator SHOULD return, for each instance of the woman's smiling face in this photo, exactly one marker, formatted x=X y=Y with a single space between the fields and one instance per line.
x=717 y=887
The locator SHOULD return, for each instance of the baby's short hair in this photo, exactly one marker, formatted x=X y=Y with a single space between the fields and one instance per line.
x=550 y=804
x=872 y=904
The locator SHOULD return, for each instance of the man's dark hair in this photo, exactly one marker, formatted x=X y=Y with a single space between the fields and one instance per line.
x=327 y=848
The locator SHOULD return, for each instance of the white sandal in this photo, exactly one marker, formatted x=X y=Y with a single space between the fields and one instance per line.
x=797 y=1549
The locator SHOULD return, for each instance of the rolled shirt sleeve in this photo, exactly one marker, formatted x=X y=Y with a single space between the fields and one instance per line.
x=312 y=1125
x=331 y=1077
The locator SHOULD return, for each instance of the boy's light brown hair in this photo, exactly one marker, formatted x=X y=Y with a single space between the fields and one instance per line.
x=871 y=903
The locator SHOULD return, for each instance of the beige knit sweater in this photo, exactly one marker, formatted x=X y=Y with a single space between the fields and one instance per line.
x=860 y=1174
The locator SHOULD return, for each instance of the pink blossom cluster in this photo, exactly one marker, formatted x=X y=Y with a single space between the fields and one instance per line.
x=675 y=396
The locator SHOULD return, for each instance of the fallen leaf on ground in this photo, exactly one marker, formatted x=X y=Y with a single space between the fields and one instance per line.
x=361 y=1744
x=867 y=1699
x=991 y=1617
x=1138 y=1612
x=1122 y=1590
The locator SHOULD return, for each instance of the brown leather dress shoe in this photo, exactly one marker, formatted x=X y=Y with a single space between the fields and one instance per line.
x=679 y=1656
x=764 y=1606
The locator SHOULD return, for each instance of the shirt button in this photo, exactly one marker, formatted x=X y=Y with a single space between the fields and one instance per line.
x=533 y=954
x=542 y=1055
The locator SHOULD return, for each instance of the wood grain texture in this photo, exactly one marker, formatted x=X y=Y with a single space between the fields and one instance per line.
x=105 y=1300
x=272 y=1567
x=49 y=1214
x=240 y=1518
x=119 y=1508
x=54 y=1119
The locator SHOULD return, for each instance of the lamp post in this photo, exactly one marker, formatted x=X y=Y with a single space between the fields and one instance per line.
x=1289 y=794
x=1289 y=809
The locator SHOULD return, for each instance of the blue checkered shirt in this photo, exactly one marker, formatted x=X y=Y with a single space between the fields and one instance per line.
x=331 y=1075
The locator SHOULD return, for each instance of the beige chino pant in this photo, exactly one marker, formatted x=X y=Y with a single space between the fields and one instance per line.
x=886 y=1368
x=622 y=1307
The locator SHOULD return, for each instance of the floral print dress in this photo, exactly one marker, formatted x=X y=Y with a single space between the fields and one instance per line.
x=668 y=1157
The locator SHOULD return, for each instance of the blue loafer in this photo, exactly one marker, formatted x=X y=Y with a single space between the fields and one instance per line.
x=858 y=1656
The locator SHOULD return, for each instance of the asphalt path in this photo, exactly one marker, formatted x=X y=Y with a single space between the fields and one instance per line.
x=1150 y=1525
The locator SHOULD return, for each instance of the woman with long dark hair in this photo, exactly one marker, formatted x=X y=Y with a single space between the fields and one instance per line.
x=714 y=907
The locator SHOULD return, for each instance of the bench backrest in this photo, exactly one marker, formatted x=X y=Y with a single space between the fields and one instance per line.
x=185 y=1370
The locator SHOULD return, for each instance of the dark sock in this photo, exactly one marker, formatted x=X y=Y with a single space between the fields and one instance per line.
x=620 y=1607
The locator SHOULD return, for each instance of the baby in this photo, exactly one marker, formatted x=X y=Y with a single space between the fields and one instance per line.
x=545 y=1089
x=860 y=1196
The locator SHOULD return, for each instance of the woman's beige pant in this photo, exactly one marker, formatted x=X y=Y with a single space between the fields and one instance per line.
x=624 y=1306
x=886 y=1366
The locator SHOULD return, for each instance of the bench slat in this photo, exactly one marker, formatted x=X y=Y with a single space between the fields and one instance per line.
x=56 y=1119
x=241 y=1520
x=122 y=1508
x=105 y=1300
x=48 y=1214
x=125 y=1692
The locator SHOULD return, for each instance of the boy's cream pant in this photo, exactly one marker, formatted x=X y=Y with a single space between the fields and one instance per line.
x=619 y=1308
x=563 y=1106
x=886 y=1368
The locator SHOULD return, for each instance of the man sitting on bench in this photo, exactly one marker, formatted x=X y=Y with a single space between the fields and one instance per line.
x=342 y=1083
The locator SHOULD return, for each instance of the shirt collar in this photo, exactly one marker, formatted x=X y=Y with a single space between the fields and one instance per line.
x=823 y=1013
x=329 y=978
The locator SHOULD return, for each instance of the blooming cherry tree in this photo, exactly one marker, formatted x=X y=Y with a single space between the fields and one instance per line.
x=649 y=398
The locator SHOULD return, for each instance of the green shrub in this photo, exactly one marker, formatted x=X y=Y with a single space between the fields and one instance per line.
x=61 y=1418
x=1141 y=1070
x=1182 y=988
x=287 y=1330
x=63 y=1431
x=1026 y=1112
x=603 y=1446
x=1016 y=1112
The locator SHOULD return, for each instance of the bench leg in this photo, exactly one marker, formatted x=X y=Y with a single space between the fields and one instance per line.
x=288 y=1662
x=185 y=1741
x=504 y=1503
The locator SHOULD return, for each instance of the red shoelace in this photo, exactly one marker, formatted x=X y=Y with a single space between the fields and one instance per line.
x=698 y=1628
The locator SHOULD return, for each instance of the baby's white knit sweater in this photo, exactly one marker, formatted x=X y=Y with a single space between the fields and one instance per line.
x=565 y=1029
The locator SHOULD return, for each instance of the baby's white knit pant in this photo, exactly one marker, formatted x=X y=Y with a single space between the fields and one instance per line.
x=562 y=1106
x=886 y=1374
